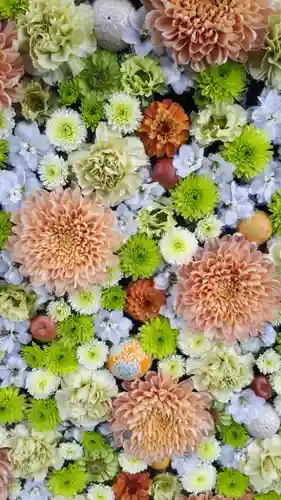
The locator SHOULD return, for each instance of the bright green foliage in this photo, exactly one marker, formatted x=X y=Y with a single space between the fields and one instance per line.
x=113 y=298
x=195 y=197
x=5 y=228
x=76 y=329
x=157 y=337
x=12 y=405
x=139 y=257
x=43 y=414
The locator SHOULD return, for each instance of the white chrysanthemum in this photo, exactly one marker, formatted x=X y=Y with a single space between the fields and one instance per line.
x=53 y=171
x=7 y=122
x=277 y=319
x=114 y=275
x=193 y=344
x=208 y=450
x=70 y=451
x=123 y=113
x=269 y=362
x=277 y=405
x=100 y=492
x=41 y=384
x=58 y=310
x=208 y=228
x=202 y=478
x=275 y=381
x=178 y=246
x=131 y=464
x=92 y=355
x=65 y=130
x=86 y=302
x=173 y=365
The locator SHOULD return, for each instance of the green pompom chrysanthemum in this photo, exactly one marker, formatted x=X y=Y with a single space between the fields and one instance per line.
x=43 y=414
x=275 y=209
x=139 y=257
x=12 y=405
x=34 y=356
x=92 y=110
x=69 y=91
x=68 y=481
x=250 y=152
x=103 y=467
x=5 y=228
x=101 y=74
x=223 y=83
x=270 y=495
x=195 y=197
x=157 y=337
x=113 y=298
x=93 y=443
x=232 y=483
x=10 y=9
x=234 y=435
x=75 y=330
x=60 y=358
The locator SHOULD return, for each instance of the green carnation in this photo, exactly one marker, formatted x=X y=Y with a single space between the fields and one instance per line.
x=93 y=443
x=43 y=414
x=157 y=218
x=5 y=228
x=92 y=110
x=10 y=9
x=165 y=487
x=234 y=435
x=232 y=483
x=113 y=298
x=4 y=149
x=69 y=91
x=76 y=329
x=142 y=76
x=102 y=467
x=12 y=405
x=250 y=152
x=270 y=495
x=34 y=356
x=34 y=100
x=223 y=83
x=101 y=74
x=139 y=257
x=195 y=196
x=275 y=209
x=68 y=481
x=60 y=358
x=16 y=304
x=157 y=337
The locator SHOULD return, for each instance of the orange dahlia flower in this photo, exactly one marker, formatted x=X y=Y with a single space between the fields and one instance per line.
x=208 y=32
x=229 y=291
x=144 y=300
x=132 y=486
x=164 y=128
x=64 y=240
x=11 y=67
x=158 y=417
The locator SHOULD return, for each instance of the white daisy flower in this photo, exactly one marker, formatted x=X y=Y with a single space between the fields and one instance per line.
x=7 y=122
x=41 y=384
x=70 y=451
x=178 y=246
x=208 y=450
x=123 y=113
x=173 y=365
x=58 y=310
x=202 y=478
x=193 y=344
x=92 y=355
x=208 y=228
x=131 y=464
x=86 y=302
x=269 y=362
x=53 y=171
x=65 y=130
x=100 y=492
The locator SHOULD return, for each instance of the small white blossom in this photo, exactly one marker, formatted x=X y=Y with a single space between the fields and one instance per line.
x=41 y=384
x=70 y=451
x=92 y=355
x=269 y=362
x=131 y=464
x=203 y=478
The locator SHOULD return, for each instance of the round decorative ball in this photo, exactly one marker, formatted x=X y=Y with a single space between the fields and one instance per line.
x=165 y=173
x=110 y=19
x=43 y=328
x=261 y=387
x=256 y=228
x=128 y=361
x=265 y=424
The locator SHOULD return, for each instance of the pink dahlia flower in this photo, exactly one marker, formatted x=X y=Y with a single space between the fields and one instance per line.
x=11 y=67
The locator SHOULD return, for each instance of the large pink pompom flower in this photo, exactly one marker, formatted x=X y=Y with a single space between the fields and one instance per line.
x=11 y=67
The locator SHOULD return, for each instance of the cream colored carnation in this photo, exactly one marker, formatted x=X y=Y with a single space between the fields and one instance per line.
x=263 y=464
x=221 y=371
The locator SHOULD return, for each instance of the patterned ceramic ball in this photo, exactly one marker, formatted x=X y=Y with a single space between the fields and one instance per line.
x=265 y=424
x=128 y=361
x=110 y=19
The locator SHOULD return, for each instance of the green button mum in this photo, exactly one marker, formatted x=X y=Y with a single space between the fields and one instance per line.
x=195 y=197
x=157 y=338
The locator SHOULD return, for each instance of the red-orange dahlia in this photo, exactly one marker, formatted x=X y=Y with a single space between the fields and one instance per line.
x=144 y=300
x=158 y=417
x=132 y=486
x=229 y=291
x=164 y=128
x=208 y=32
x=11 y=67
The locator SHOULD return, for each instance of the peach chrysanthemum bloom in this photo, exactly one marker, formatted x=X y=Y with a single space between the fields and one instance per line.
x=11 y=67
x=164 y=128
x=229 y=291
x=64 y=240
x=208 y=32
x=159 y=417
x=143 y=300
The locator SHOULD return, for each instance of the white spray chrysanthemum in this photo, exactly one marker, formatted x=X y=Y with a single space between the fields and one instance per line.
x=277 y=405
x=202 y=478
x=208 y=450
x=58 y=310
x=53 y=171
x=70 y=451
x=65 y=129
x=100 y=492
x=86 y=302
x=269 y=362
x=275 y=381
x=208 y=228
x=174 y=366
x=193 y=344
x=41 y=383
x=131 y=464
x=92 y=355
x=123 y=113
x=178 y=246
x=113 y=277
x=7 y=122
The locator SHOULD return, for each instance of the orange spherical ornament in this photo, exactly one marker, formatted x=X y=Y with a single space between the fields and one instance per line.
x=165 y=173
x=128 y=361
x=43 y=328
x=256 y=228
x=164 y=464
